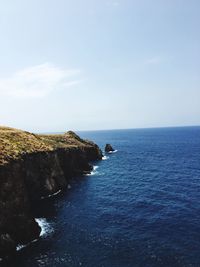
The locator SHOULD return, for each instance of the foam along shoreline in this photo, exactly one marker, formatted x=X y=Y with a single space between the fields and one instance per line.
x=105 y=157
x=94 y=171
x=111 y=152
x=20 y=247
x=45 y=226
x=52 y=195
x=46 y=229
x=56 y=193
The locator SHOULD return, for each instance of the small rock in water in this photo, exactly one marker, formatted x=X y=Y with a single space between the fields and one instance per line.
x=109 y=148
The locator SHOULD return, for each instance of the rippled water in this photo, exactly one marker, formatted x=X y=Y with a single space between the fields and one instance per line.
x=141 y=206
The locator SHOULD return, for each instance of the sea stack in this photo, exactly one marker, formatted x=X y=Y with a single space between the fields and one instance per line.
x=109 y=148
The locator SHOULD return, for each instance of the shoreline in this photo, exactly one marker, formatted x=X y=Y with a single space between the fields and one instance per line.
x=38 y=167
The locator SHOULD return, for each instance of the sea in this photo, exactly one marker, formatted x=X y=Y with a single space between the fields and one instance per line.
x=140 y=207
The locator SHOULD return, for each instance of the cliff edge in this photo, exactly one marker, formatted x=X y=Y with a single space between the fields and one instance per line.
x=32 y=167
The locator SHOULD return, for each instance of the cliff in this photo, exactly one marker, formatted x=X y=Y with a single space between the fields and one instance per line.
x=32 y=167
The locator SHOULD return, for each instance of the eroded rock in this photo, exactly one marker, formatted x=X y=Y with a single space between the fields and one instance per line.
x=109 y=148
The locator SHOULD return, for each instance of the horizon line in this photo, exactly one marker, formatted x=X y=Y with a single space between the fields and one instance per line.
x=120 y=129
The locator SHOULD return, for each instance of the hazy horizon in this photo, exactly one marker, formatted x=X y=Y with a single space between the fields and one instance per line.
x=118 y=129
x=99 y=65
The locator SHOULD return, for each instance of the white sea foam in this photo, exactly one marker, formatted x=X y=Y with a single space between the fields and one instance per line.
x=46 y=229
x=51 y=195
x=94 y=171
x=45 y=226
x=105 y=158
x=95 y=168
x=111 y=152
x=19 y=247
x=69 y=186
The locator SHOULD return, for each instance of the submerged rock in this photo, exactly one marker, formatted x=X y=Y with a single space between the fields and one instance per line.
x=109 y=148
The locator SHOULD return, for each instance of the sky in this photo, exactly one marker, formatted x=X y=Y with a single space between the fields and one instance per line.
x=91 y=65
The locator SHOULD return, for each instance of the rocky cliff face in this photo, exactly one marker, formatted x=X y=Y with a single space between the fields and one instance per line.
x=39 y=166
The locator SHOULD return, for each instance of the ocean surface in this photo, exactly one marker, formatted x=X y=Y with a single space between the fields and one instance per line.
x=139 y=207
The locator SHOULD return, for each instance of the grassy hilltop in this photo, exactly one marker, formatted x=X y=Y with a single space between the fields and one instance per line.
x=15 y=143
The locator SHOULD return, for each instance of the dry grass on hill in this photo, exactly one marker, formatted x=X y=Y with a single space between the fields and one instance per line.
x=14 y=143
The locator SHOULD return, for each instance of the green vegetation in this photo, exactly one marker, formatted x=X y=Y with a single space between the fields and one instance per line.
x=14 y=143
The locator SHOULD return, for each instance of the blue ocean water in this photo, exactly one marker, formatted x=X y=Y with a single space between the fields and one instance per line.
x=141 y=206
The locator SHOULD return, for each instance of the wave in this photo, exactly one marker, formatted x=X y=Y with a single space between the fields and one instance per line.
x=46 y=229
x=51 y=195
x=111 y=152
x=105 y=157
x=95 y=168
x=20 y=246
x=93 y=172
x=45 y=226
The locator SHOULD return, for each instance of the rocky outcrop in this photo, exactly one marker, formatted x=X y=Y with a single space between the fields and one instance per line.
x=109 y=148
x=31 y=173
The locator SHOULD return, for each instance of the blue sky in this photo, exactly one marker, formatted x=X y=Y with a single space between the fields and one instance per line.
x=99 y=64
